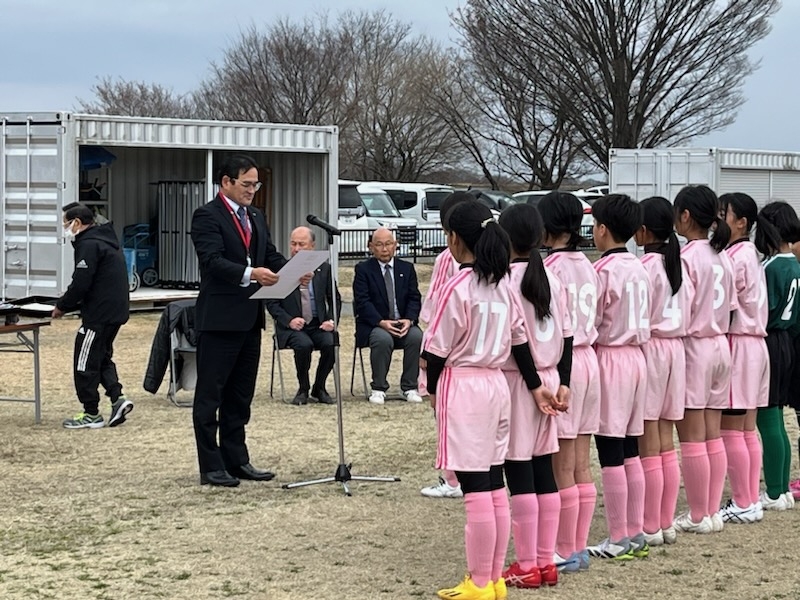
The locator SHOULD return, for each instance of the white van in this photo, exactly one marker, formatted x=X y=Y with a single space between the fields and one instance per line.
x=418 y=201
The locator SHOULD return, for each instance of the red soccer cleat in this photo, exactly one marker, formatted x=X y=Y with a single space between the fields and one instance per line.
x=515 y=576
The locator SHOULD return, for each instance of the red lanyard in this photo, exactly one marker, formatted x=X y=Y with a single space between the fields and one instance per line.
x=244 y=233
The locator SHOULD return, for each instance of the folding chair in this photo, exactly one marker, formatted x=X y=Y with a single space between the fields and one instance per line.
x=357 y=351
x=182 y=351
x=276 y=350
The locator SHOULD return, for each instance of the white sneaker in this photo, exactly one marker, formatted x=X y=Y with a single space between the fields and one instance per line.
x=670 y=535
x=377 y=397
x=717 y=522
x=733 y=513
x=654 y=539
x=412 y=396
x=789 y=499
x=759 y=510
x=442 y=490
x=684 y=523
x=779 y=503
x=621 y=550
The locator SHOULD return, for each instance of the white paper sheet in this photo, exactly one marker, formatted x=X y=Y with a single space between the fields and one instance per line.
x=305 y=261
x=38 y=307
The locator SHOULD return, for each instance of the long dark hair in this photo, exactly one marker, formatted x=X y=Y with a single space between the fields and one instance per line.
x=562 y=212
x=703 y=206
x=474 y=224
x=658 y=217
x=744 y=207
x=524 y=227
x=784 y=219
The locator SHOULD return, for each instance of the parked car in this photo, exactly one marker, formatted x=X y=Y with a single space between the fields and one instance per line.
x=418 y=201
x=496 y=200
x=533 y=197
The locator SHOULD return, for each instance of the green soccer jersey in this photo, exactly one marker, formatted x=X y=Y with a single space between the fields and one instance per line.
x=783 y=279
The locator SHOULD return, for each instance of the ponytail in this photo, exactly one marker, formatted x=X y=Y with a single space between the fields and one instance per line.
x=768 y=238
x=722 y=235
x=491 y=253
x=672 y=262
x=535 y=287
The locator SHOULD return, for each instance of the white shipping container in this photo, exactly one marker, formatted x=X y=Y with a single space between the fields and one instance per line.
x=40 y=172
x=764 y=175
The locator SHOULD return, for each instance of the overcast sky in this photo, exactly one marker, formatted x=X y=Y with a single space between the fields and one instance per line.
x=52 y=51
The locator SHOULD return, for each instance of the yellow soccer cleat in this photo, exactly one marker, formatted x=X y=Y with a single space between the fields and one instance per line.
x=500 y=591
x=467 y=590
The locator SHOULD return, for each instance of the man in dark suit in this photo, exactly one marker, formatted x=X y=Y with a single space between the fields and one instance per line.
x=236 y=256
x=304 y=322
x=387 y=305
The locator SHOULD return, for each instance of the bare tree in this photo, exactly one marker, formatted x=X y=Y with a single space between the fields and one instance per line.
x=136 y=99
x=629 y=73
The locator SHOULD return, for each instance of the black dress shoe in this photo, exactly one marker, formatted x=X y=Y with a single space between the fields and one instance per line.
x=220 y=478
x=323 y=397
x=300 y=398
x=248 y=471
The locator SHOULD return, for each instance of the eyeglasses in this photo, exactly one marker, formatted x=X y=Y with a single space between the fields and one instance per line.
x=383 y=244
x=249 y=185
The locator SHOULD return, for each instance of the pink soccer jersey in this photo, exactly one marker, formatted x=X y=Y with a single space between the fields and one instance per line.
x=475 y=324
x=444 y=267
x=580 y=283
x=546 y=335
x=623 y=305
x=668 y=311
x=750 y=284
x=714 y=297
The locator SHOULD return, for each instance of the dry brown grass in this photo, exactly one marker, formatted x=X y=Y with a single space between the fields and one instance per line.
x=118 y=513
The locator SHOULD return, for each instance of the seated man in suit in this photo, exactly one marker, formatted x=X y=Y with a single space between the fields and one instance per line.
x=304 y=323
x=387 y=305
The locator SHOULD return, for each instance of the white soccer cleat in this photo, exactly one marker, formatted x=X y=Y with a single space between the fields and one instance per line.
x=789 y=499
x=717 y=522
x=779 y=503
x=759 y=510
x=377 y=397
x=654 y=539
x=670 y=535
x=412 y=396
x=442 y=490
x=733 y=513
x=621 y=550
x=684 y=523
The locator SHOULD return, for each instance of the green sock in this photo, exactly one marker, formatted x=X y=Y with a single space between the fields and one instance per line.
x=770 y=424
x=787 y=455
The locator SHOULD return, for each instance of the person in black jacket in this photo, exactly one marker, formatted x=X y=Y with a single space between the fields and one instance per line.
x=99 y=289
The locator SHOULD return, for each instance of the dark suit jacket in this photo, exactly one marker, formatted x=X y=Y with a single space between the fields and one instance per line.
x=283 y=311
x=223 y=304
x=372 y=304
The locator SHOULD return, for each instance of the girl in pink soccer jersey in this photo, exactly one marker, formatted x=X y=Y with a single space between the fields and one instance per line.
x=562 y=214
x=708 y=357
x=444 y=267
x=749 y=356
x=535 y=502
x=477 y=325
x=666 y=365
x=623 y=326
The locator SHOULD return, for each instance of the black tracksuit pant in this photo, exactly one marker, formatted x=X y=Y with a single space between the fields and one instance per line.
x=92 y=365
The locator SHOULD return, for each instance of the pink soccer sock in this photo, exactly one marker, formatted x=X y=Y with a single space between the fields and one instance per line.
x=754 y=448
x=615 y=498
x=586 y=506
x=694 y=457
x=738 y=466
x=718 y=467
x=549 y=509
x=525 y=525
x=502 y=519
x=480 y=536
x=568 y=521
x=636 y=486
x=672 y=487
x=450 y=478
x=653 y=492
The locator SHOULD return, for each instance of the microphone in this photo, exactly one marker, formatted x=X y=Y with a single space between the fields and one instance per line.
x=323 y=225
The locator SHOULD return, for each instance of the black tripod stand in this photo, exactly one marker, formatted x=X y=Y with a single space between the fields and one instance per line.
x=342 y=474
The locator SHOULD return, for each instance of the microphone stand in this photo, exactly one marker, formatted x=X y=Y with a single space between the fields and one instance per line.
x=342 y=474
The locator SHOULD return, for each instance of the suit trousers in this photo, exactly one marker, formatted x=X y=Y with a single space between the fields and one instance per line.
x=381 y=346
x=93 y=366
x=227 y=365
x=303 y=343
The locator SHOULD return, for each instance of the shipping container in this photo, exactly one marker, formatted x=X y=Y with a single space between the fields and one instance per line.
x=764 y=175
x=126 y=169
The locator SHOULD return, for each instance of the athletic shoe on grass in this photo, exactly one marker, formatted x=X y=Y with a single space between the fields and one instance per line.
x=442 y=490
x=684 y=523
x=467 y=590
x=621 y=550
x=84 y=421
x=119 y=410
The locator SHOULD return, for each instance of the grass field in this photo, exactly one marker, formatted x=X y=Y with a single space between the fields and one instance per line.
x=119 y=513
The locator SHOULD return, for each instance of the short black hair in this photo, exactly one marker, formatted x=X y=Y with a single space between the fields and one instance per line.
x=620 y=214
x=449 y=203
x=76 y=210
x=234 y=165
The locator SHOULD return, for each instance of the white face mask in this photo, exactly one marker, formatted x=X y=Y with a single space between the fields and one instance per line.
x=68 y=233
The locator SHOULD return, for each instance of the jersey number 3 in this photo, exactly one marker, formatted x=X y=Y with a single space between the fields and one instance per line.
x=495 y=308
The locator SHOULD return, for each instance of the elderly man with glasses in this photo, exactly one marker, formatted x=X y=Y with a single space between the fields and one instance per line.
x=387 y=305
